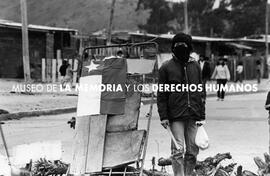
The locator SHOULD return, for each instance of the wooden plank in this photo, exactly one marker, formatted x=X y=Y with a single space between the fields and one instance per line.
x=25 y=42
x=122 y=148
x=75 y=67
x=59 y=63
x=53 y=70
x=48 y=69
x=129 y=120
x=80 y=144
x=88 y=147
x=96 y=143
x=70 y=61
x=43 y=70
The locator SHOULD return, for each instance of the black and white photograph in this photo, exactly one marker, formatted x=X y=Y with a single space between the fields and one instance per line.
x=134 y=88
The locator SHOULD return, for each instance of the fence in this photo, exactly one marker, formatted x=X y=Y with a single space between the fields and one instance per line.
x=50 y=68
x=249 y=64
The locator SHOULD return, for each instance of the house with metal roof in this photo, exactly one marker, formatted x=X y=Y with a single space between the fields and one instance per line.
x=44 y=42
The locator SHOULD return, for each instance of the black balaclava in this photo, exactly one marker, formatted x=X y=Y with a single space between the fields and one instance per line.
x=181 y=46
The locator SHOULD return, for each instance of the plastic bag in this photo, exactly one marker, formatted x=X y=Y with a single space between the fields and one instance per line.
x=201 y=139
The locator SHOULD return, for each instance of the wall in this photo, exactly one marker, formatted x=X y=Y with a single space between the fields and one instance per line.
x=11 y=64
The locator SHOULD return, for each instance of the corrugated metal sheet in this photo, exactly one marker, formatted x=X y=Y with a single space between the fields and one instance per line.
x=7 y=23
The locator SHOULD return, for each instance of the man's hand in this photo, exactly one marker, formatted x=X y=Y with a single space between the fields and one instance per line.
x=200 y=123
x=165 y=123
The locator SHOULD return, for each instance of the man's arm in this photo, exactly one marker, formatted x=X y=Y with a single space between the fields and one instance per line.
x=208 y=70
x=203 y=95
x=162 y=97
x=267 y=103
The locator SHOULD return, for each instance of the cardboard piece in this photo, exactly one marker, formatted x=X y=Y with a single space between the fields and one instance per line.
x=122 y=147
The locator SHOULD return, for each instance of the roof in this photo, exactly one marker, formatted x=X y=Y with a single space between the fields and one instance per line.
x=253 y=40
x=169 y=36
x=194 y=38
x=11 y=24
x=241 y=46
x=202 y=38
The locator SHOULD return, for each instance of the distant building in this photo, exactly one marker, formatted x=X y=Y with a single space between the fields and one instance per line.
x=233 y=49
x=44 y=41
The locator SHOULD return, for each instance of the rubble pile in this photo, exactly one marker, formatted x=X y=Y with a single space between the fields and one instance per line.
x=211 y=166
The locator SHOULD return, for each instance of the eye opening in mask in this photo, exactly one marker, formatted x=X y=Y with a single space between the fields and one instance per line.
x=180 y=44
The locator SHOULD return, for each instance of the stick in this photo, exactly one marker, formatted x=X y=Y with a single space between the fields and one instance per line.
x=149 y=115
x=5 y=144
x=269 y=133
x=173 y=138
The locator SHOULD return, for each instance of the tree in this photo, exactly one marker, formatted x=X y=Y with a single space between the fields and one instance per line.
x=161 y=14
x=248 y=17
x=203 y=20
x=233 y=18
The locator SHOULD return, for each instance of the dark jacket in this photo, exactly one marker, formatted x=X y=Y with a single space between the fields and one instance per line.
x=62 y=70
x=206 y=71
x=267 y=103
x=184 y=104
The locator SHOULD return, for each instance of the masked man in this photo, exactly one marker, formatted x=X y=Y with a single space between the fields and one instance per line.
x=182 y=110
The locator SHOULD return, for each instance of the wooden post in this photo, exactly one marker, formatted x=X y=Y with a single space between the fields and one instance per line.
x=266 y=41
x=48 y=70
x=111 y=23
x=53 y=70
x=75 y=67
x=25 y=42
x=186 y=16
x=234 y=69
x=149 y=115
x=43 y=68
x=49 y=55
x=59 y=63
x=70 y=61
x=266 y=53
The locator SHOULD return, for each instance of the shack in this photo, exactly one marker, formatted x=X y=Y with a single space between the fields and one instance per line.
x=44 y=41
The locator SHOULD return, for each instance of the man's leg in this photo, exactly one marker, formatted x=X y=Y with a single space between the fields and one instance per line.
x=219 y=86
x=204 y=90
x=177 y=155
x=258 y=76
x=224 y=81
x=192 y=149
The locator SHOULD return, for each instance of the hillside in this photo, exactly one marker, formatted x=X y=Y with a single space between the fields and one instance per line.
x=85 y=15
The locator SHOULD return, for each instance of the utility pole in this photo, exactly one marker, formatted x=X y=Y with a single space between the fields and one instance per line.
x=25 y=42
x=266 y=52
x=186 y=16
x=111 y=23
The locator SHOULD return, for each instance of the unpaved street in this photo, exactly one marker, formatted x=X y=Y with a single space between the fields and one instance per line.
x=237 y=125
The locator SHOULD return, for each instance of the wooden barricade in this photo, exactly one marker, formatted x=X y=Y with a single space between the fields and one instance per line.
x=50 y=69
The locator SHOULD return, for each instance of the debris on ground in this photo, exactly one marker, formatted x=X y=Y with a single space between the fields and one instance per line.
x=2 y=111
x=212 y=166
x=44 y=167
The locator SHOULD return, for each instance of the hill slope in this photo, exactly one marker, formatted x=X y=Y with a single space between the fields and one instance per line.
x=85 y=15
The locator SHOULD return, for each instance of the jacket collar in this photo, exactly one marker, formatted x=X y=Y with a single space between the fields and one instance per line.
x=191 y=59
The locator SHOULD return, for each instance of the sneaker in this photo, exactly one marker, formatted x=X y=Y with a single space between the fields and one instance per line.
x=218 y=99
x=222 y=99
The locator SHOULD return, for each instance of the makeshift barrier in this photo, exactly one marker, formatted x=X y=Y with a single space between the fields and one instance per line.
x=50 y=68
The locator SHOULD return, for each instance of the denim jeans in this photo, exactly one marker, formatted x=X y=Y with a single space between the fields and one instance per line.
x=221 y=92
x=184 y=160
